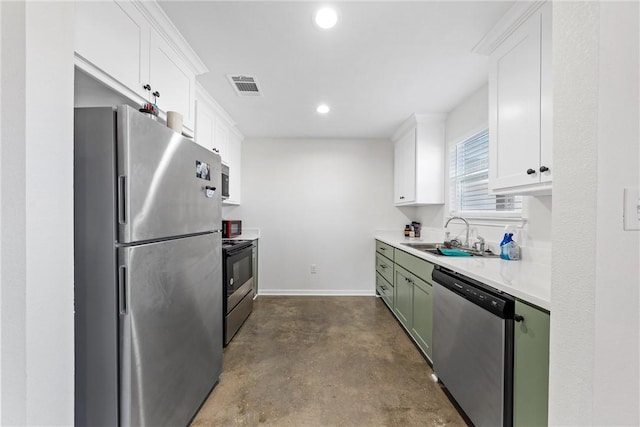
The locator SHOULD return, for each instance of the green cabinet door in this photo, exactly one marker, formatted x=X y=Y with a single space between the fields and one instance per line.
x=421 y=326
x=531 y=367
x=403 y=288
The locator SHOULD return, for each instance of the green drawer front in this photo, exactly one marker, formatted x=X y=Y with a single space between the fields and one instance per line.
x=385 y=290
x=384 y=267
x=384 y=249
x=415 y=265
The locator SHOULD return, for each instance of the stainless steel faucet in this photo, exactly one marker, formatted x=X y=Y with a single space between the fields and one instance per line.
x=466 y=242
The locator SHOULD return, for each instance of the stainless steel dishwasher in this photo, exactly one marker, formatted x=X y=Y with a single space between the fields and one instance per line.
x=473 y=346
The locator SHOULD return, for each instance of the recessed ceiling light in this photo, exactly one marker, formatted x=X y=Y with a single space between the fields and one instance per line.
x=322 y=109
x=326 y=18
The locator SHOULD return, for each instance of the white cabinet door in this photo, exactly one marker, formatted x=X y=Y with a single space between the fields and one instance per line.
x=546 y=99
x=221 y=141
x=514 y=105
x=521 y=109
x=169 y=75
x=405 y=168
x=114 y=37
x=234 y=156
x=205 y=125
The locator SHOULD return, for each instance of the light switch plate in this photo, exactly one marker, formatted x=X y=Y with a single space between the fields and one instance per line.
x=631 y=211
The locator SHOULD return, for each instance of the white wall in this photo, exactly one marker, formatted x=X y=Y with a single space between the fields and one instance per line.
x=317 y=202
x=36 y=222
x=595 y=330
x=468 y=118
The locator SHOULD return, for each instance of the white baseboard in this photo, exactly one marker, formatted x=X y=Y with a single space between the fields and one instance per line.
x=317 y=292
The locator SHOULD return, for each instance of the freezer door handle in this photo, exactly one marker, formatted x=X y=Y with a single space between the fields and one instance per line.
x=122 y=213
x=122 y=291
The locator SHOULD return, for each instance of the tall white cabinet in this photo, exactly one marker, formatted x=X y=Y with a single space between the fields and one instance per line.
x=419 y=153
x=216 y=131
x=520 y=101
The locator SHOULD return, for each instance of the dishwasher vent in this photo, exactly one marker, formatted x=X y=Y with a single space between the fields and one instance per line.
x=244 y=85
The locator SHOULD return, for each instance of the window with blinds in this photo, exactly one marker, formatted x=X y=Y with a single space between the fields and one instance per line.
x=469 y=181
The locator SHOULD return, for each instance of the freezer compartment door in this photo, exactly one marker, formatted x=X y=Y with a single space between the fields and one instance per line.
x=167 y=185
x=170 y=303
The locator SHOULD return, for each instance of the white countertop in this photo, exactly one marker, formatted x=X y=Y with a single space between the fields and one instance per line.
x=528 y=281
x=248 y=234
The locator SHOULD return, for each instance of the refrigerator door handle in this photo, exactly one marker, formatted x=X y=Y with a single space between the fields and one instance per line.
x=122 y=212
x=122 y=285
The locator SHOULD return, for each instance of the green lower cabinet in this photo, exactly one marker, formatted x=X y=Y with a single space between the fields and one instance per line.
x=403 y=282
x=403 y=288
x=531 y=366
x=421 y=326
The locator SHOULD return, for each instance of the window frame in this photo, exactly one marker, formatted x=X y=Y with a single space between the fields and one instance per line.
x=502 y=216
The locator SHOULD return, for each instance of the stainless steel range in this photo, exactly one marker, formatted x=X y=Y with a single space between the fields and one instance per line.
x=237 y=281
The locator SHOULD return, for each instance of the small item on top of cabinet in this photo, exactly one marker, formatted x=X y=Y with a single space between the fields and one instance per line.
x=174 y=121
x=509 y=249
x=407 y=230
x=151 y=110
x=412 y=232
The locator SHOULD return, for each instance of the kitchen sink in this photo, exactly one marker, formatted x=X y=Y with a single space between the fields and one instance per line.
x=421 y=246
x=432 y=248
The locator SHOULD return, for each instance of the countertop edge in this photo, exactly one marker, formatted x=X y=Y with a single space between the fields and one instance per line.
x=453 y=263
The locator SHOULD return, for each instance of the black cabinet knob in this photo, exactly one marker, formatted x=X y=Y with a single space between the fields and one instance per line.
x=147 y=87
x=518 y=318
x=543 y=168
x=531 y=171
x=401 y=197
x=156 y=94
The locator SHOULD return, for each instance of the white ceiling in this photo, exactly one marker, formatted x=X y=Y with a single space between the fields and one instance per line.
x=382 y=62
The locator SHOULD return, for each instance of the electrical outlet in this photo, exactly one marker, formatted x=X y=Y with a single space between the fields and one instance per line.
x=313 y=269
x=631 y=212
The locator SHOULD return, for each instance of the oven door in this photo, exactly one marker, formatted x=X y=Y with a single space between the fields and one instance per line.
x=238 y=274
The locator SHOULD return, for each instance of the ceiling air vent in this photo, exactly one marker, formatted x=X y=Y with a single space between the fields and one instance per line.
x=245 y=85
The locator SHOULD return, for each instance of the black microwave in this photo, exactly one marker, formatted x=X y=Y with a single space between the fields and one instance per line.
x=225 y=182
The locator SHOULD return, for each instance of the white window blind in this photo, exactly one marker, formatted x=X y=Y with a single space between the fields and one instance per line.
x=469 y=180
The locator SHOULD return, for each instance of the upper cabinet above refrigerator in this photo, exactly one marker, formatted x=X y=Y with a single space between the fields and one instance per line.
x=133 y=48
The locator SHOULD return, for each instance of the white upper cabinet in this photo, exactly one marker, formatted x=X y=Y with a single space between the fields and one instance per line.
x=215 y=130
x=112 y=36
x=235 y=168
x=213 y=124
x=404 y=167
x=520 y=109
x=221 y=140
x=205 y=125
x=419 y=161
x=169 y=75
x=128 y=45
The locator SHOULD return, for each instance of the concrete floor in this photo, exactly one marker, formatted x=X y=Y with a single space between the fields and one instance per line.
x=325 y=361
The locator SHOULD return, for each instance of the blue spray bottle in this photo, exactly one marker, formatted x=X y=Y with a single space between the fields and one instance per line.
x=509 y=249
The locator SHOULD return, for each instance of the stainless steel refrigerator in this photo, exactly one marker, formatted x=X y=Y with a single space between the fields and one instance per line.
x=148 y=278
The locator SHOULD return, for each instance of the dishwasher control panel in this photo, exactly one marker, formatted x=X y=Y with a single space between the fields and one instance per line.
x=498 y=303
